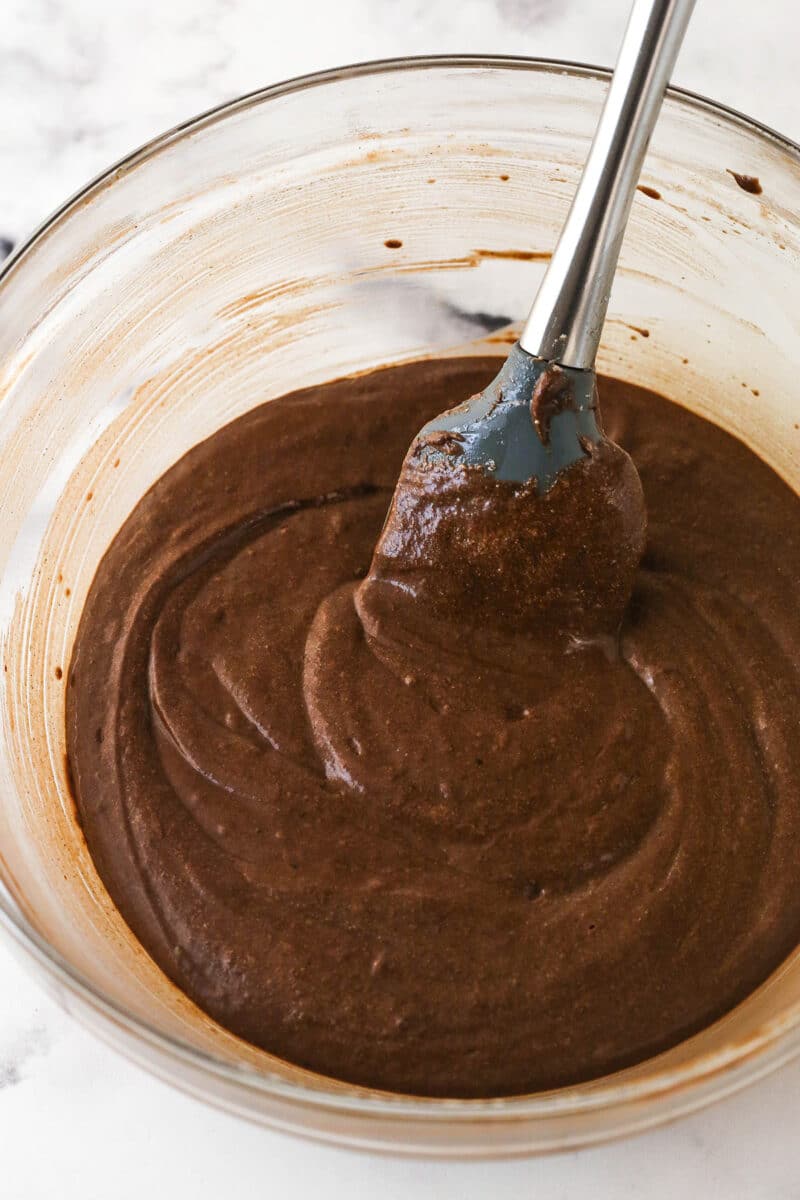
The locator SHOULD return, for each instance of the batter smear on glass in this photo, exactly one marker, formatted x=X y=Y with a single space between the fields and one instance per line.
x=382 y=834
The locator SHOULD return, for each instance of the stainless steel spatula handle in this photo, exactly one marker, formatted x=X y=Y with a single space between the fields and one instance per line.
x=567 y=316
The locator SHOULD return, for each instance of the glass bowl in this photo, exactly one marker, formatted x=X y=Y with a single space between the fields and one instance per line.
x=320 y=227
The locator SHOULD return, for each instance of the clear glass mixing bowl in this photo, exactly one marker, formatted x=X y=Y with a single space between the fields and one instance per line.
x=256 y=249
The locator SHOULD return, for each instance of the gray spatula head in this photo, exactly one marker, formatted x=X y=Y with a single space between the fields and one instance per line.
x=532 y=422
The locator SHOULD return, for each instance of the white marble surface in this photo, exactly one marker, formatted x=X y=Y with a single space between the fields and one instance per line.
x=81 y=83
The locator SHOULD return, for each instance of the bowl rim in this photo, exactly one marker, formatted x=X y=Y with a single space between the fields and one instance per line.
x=775 y=1042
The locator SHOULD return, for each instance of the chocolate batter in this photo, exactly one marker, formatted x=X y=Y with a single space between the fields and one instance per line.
x=406 y=844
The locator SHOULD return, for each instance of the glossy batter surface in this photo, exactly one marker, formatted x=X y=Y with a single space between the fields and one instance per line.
x=433 y=860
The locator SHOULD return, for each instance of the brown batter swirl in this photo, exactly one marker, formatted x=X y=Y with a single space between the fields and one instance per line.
x=417 y=855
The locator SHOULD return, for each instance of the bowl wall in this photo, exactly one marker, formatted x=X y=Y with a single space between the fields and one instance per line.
x=246 y=255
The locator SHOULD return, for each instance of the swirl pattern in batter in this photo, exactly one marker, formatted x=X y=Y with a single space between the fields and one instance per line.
x=430 y=863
